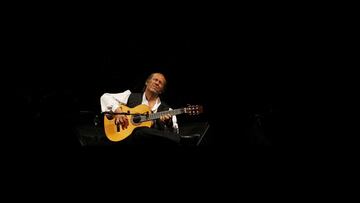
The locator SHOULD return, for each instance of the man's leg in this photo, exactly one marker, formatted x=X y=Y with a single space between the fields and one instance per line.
x=144 y=135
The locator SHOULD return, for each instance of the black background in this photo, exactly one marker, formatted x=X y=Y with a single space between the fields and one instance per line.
x=239 y=62
x=284 y=62
x=238 y=67
x=233 y=80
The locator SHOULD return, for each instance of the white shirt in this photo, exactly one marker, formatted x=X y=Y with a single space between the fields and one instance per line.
x=110 y=102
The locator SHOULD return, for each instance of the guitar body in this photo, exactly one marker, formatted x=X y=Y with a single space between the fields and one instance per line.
x=116 y=133
x=140 y=116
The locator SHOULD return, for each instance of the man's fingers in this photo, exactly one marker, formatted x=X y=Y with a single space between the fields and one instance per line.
x=124 y=122
x=117 y=121
x=121 y=119
x=165 y=117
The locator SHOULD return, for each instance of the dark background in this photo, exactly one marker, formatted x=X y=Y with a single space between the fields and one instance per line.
x=277 y=61
x=235 y=81
x=242 y=71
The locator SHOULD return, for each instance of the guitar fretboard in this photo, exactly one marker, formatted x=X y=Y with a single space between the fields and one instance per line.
x=162 y=113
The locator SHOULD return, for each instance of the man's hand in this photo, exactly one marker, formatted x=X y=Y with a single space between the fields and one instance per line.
x=166 y=119
x=121 y=119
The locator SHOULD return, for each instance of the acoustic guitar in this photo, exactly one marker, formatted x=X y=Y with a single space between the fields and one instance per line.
x=140 y=116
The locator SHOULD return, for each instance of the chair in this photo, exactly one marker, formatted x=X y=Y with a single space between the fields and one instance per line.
x=195 y=128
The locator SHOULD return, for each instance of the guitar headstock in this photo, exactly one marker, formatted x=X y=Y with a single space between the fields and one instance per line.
x=193 y=109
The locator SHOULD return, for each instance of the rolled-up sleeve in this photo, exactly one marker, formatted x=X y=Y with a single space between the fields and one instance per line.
x=110 y=102
x=174 y=121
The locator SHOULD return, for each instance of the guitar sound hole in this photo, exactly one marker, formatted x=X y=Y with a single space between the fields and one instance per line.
x=137 y=119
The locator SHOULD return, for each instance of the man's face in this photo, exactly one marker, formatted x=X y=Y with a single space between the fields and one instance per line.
x=156 y=84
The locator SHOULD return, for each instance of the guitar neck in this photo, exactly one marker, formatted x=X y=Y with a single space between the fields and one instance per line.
x=162 y=113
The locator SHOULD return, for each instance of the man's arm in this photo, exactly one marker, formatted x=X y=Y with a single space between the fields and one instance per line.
x=111 y=102
x=169 y=121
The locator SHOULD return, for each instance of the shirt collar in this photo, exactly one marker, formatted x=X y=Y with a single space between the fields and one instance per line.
x=146 y=102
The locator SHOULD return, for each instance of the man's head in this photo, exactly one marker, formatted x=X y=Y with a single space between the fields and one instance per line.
x=156 y=83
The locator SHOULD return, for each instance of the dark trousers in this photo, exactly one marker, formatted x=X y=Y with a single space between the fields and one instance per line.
x=151 y=136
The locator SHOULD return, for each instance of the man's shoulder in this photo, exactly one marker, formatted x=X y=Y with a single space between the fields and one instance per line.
x=164 y=105
x=136 y=94
x=134 y=99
